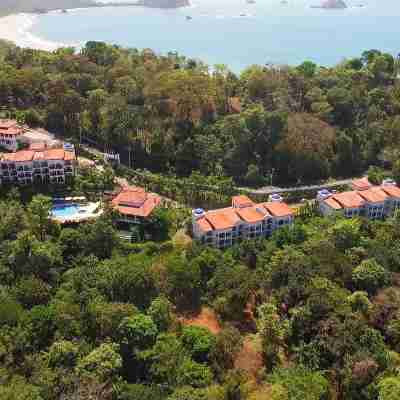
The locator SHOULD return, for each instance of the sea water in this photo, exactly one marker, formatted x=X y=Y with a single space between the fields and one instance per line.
x=236 y=33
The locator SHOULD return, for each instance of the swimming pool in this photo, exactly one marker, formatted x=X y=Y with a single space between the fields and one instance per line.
x=65 y=210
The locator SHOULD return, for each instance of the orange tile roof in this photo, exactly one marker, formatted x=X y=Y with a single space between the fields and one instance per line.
x=54 y=154
x=349 y=199
x=391 y=190
x=135 y=201
x=252 y=214
x=10 y=127
x=331 y=202
x=224 y=218
x=7 y=123
x=241 y=201
x=278 y=209
x=361 y=184
x=69 y=156
x=19 y=156
x=130 y=197
x=204 y=225
x=29 y=155
x=374 y=195
x=38 y=146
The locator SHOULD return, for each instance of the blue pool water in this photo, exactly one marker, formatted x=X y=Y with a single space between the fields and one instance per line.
x=65 y=210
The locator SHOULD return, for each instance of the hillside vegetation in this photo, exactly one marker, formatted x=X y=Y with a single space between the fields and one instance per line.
x=86 y=315
x=282 y=124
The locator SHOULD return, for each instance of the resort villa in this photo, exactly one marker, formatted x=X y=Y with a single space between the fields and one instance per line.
x=243 y=220
x=10 y=133
x=41 y=166
x=134 y=204
x=366 y=200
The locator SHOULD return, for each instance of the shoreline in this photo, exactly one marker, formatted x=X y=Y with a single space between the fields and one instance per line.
x=17 y=28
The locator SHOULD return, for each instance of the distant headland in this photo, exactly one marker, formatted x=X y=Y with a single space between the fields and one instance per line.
x=331 y=5
x=44 y=6
x=164 y=3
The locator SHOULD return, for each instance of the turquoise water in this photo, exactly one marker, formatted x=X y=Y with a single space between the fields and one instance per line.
x=271 y=32
x=65 y=210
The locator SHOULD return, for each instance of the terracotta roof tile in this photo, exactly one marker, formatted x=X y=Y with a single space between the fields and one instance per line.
x=241 y=201
x=252 y=214
x=331 y=202
x=10 y=127
x=374 y=195
x=20 y=156
x=361 y=184
x=135 y=202
x=130 y=197
x=204 y=225
x=391 y=190
x=54 y=154
x=7 y=123
x=349 y=199
x=278 y=209
x=38 y=146
x=225 y=218
x=69 y=156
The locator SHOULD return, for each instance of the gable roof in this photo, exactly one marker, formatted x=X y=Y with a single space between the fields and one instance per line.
x=204 y=225
x=252 y=214
x=332 y=203
x=349 y=199
x=391 y=190
x=134 y=201
x=241 y=201
x=278 y=209
x=361 y=184
x=374 y=195
x=224 y=218
x=19 y=156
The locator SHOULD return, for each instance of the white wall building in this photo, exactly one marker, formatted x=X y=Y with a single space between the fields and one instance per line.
x=30 y=166
x=10 y=133
x=243 y=220
x=372 y=202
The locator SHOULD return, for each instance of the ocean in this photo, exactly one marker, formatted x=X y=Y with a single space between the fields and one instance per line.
x=235 y=33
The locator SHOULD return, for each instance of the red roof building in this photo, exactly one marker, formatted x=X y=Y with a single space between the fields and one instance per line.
x=372 y=202
x=10 y=131
x=41 y=166
x=244 y=220
x=134 y=204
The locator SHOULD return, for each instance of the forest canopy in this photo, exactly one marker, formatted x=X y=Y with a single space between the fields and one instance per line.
x=178 y=116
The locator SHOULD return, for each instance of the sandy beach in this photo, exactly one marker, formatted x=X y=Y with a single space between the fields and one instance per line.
x=17 y=28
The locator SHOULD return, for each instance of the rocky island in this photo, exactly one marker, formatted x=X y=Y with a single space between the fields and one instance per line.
x=332 y=5
x=164 y=3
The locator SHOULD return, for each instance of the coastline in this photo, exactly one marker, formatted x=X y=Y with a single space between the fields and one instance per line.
x=17 y=28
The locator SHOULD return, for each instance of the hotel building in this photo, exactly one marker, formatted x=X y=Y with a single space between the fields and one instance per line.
x=10 y=133
x=243 y=220
x=37 y=166
x=366 y=200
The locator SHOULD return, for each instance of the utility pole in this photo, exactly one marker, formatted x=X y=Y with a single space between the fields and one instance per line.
x=272 y=175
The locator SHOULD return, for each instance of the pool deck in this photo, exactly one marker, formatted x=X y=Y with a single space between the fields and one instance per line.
x=87 y=212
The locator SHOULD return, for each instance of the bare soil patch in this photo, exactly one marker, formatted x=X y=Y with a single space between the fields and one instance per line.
x=206 y=318
x=250 y=358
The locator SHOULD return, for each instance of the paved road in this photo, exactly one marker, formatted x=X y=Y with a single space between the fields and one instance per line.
x=269 y=189
x=274 y=189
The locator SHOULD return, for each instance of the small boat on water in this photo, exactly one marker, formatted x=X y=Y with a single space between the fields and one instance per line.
x=188 y=17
